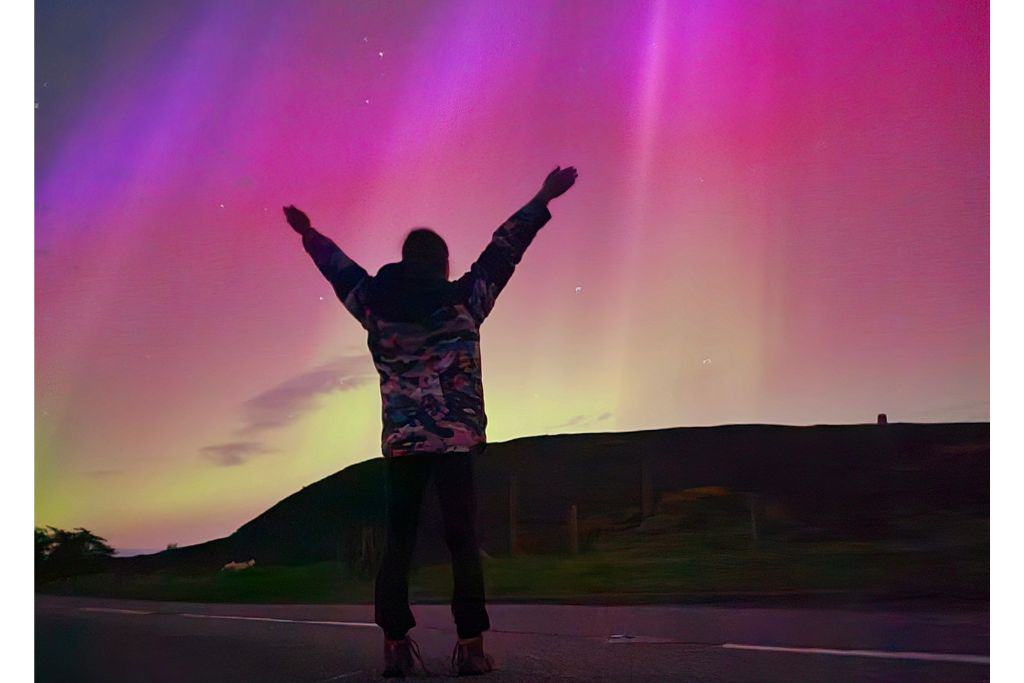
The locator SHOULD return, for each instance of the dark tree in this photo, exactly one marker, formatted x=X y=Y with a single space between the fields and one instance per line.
x=44 y=544
x=60 y=552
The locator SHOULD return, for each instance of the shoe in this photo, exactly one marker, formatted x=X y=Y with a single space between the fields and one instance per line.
x=400 y=658
x=469 y=658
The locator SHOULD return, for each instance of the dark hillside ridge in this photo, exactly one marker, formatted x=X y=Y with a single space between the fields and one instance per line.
x=854 y=481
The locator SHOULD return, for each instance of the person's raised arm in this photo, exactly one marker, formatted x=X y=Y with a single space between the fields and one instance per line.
x=491 y=272
x=346 y=276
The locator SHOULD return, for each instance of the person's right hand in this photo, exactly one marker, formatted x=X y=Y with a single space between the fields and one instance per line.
x=557 y=183
x=297 y=219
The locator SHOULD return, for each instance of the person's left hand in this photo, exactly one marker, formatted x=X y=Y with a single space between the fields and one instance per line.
x=557 y=183
x=297 y=219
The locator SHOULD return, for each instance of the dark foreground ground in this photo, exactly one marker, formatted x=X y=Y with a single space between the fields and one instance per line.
x=89 y=639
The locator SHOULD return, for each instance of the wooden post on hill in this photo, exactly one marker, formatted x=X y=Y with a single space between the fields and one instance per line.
x=752 y=501
x=646 y=490
x=368 y=547
x=574 y=530
x=513 y=515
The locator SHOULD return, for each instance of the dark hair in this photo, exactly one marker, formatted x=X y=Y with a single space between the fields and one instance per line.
x=423 y=245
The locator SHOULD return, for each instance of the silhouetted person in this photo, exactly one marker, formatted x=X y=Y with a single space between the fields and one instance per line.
x=423 y=333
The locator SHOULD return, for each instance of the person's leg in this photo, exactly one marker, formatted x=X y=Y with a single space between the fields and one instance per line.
x=405 y=477
x=453 y=474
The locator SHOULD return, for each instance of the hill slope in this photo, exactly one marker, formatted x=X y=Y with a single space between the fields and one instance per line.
x=848 y=481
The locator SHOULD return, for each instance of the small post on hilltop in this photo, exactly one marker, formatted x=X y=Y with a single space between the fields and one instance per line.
x=574 y=530
x=513 y=515
x=646 y=490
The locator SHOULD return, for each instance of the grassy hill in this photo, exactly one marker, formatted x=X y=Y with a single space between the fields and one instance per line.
x=898 y=509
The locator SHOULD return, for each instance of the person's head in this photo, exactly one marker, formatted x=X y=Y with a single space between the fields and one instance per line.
x=424 y=246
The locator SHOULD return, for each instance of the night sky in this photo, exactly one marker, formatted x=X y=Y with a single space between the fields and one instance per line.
x=781 y=216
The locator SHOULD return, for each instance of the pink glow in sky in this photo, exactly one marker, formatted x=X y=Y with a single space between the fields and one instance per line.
x=781 y=216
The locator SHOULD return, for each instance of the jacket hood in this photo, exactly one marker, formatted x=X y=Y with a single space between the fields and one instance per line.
x=408 y=291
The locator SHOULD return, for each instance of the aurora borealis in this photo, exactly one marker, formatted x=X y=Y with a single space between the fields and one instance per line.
x=781 y=216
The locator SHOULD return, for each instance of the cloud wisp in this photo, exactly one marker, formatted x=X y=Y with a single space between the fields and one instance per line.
x=582 y=421
x=285 y=403
x=290 y=399
x=234 y=453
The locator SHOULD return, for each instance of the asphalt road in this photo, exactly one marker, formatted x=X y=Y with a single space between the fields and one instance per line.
x=79 y=639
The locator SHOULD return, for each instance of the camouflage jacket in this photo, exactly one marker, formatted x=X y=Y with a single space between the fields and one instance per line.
x=424 y=335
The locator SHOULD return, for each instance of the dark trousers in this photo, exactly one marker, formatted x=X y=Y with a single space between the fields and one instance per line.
x=406 y=477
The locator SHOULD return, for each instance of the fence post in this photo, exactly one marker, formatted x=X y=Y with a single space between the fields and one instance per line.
x=513 y=515
x=366 y=549
x=646 y=490
x=574 y=530
x=752 y=501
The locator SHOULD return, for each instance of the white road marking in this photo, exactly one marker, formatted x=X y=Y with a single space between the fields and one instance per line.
x=362 y=624
x=627 y=638
x=616 y=638
x=113 y=610
x=881 y=654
